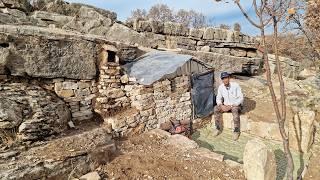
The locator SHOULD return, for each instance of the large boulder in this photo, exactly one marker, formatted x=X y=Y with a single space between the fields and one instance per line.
x=306 y=73
x=259 y=161
x=19 y=17
x=35 y=113
x=46 y=56
x=73 y=9
x=23 y=5
x=90 y=21
x=92 y=26
x=222 y=62
x=181 y=142
x=177 y=29
x=52 y=17
x=238 y=52
x=122 y=33
x=196 y=33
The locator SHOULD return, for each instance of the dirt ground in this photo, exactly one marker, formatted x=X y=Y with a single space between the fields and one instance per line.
x=150 y=157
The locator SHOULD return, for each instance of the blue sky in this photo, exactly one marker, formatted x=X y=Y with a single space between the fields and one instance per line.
x=223 y=13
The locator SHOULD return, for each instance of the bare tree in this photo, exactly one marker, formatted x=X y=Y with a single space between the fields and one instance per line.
x=313 y=21
x=138 y=14
x=294 y=45
x=224 y=26
x=161 y=12
x=237 y=27
x=198 y=20
x=271 y=12
x=308 y=25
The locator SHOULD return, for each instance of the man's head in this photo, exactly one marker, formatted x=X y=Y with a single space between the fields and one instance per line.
x=225 y=77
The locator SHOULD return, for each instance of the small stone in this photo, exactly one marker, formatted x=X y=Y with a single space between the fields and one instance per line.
x=71 y=124
x=65 y=93
x=3 y=77
x=205 y=49
x=252 y=54
x=83 y=85
x=132 y=79
x=81 y=113
x=58 y=80
x=9 y=154
x=124 y=79
x=238 y=52
x=69 y=85
x=91 y=176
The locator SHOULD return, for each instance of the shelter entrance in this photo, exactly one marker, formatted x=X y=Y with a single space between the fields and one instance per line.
x=202 y=93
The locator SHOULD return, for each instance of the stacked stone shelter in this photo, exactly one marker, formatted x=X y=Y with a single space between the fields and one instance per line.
x=141 y=95
x=74 y=54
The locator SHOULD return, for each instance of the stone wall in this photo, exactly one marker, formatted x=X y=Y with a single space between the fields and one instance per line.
x=78 y=95
x=131 y=108
x=201 y=37
x=224 y=45
x=161 y=102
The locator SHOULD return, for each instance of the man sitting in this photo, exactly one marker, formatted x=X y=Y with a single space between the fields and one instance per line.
x=229 y=99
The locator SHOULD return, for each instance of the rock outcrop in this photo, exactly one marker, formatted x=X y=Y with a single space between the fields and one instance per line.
x=62 y=158
x=22 y=5
x=41 y=56
x=32 y=111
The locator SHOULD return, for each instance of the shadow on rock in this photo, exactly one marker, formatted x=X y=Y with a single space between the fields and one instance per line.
x=248 y=105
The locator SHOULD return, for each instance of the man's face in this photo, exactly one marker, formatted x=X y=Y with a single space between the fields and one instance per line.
x=226 y=81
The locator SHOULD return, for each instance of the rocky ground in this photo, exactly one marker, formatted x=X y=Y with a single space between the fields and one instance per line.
x=152 y=155
x=158 y=156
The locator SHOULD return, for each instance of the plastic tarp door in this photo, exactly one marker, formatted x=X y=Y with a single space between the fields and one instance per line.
x=202 y=93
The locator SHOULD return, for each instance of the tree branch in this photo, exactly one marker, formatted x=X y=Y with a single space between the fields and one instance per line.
x=246 y=15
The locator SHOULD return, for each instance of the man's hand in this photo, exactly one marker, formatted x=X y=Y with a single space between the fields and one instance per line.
x=225 y=108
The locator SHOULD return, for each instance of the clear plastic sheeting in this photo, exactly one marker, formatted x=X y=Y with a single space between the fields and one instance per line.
x=158 y=65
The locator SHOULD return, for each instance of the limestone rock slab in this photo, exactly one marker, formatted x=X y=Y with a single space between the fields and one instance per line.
x=259 y=161
x=41 y=56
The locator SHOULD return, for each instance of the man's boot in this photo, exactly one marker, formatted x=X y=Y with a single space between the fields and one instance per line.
x=236 y=134
x=217 y=131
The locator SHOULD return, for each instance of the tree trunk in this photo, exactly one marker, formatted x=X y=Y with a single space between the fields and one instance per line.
x=281 y=117
x=281 y=121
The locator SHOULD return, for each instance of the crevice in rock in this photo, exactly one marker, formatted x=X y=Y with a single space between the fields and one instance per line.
x=4 y=45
